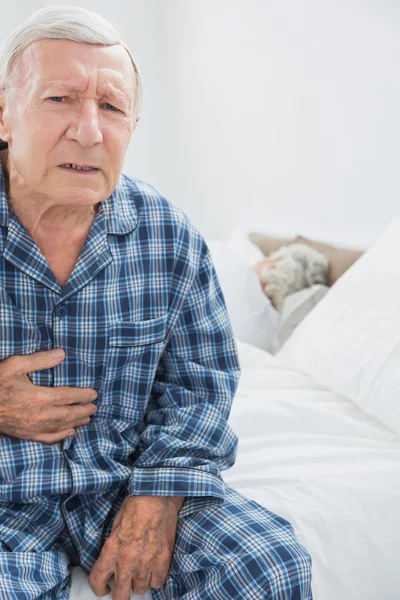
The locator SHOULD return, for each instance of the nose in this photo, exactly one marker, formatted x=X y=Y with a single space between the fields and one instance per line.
x=86 y=127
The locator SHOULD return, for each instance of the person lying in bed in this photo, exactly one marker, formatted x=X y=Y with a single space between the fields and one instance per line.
x=118 y=362
x=291 y=265
x=290 y=269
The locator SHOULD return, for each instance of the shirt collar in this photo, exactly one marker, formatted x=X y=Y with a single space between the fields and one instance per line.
x=119 y=210
x=4 y=208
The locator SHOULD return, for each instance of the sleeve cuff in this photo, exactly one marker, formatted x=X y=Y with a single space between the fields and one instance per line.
x=201 y=489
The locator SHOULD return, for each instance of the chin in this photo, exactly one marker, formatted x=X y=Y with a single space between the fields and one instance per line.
x=80 y=197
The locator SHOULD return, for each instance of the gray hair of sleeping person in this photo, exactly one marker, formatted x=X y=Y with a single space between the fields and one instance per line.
x=64 y=23
x=297 y=266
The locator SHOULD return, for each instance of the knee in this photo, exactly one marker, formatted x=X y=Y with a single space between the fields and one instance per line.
x=287 y=574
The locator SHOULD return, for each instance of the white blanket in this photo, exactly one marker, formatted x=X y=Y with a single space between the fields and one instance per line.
x=319 y=461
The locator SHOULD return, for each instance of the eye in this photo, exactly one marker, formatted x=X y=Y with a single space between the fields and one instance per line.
x=57 y=98
x=113 y=108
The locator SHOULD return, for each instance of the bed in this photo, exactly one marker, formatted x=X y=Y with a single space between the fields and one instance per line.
x=319 y=429
x=317 y=459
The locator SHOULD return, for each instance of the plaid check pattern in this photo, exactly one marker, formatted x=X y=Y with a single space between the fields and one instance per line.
x=142 y=319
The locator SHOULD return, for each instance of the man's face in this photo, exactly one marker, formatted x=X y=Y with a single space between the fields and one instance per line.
x=74 y=105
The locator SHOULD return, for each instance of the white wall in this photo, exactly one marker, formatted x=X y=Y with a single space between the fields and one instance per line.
x=273 y=115
x=282 y=115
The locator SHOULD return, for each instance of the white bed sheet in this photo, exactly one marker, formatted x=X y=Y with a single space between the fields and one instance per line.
x=332 y=471
x=81 y=590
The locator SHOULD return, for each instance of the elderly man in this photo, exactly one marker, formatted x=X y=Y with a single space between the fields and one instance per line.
x=118 y=361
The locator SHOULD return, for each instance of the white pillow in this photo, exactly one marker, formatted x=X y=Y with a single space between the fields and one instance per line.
x=240 y=242
x=294 y=309
x=350 y=342
x=253 y=317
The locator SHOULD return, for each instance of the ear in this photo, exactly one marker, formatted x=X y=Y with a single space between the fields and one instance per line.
x=1 y=110
x=4 y=130
x=137 y=119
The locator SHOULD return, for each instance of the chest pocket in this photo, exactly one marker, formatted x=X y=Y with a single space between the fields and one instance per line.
x=138 y=333
x=134 y=350
x=135 y=346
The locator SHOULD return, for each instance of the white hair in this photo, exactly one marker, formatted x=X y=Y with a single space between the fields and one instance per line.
x=64 y=23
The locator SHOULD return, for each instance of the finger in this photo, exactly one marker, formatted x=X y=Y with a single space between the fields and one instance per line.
x=103 y=569
x=80 y=423
x=58 y=418
x=158 y=578
x=27 y=363
x=84 y=422
x=75 y=414
x=77 y=421
x=98 y=579
x=62 y=395
x=122 y=586
x=52 y=438
x=140 y=585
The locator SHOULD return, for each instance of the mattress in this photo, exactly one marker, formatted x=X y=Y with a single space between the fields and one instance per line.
x=316 y=459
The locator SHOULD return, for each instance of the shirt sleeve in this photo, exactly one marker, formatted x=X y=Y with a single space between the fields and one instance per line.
x=187 y=440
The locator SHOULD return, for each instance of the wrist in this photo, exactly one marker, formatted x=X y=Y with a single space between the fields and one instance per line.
x=175 y=501
x=178 y=501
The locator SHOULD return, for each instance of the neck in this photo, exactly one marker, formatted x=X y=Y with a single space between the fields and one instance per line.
x=41 y=218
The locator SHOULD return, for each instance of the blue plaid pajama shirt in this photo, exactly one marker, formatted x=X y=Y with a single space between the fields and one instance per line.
x=142 y=319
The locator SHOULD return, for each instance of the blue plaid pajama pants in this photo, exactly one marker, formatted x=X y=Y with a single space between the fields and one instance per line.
x=237 y=550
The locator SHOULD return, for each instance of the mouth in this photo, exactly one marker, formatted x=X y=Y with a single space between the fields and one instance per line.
x=82 y=169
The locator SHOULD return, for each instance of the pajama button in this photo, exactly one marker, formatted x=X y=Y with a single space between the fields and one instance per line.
x=61 y=311
x=72 y=503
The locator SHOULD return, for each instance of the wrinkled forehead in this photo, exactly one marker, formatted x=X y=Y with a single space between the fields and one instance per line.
x=76 y=66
